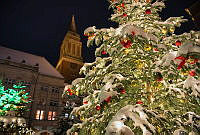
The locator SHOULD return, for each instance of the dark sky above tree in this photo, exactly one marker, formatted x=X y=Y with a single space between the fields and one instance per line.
x=39 y=26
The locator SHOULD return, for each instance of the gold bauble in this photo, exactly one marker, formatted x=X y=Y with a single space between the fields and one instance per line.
x=148 y=47
x=82 y=118
x=184 y=73
x=164 y=31
x=159 y=129
x=126 y=51
x=139 y=64
x=133 y=84
x=182 y=100
x=172 y=29
x=190 y=60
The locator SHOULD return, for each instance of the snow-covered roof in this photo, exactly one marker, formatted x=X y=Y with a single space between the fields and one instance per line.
x=45 y=67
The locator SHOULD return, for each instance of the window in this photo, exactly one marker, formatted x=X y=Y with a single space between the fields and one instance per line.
x=69 y=47
x=45 y=88
x=53 y=103
x=73 y=49
x=51 y=115
x=39 y=115
x=55 y=90
x=10 y=81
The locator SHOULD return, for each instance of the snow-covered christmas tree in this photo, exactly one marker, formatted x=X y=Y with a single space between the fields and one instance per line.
x=145 y=79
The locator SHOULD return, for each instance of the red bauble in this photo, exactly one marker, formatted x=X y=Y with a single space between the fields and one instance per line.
x=159 y=79
x=139 y=102
x=192 y=73
x=155 y=49
x=98 y=107
x=70 y=93
x=122 y=5
x=123 y=91
x=108 y=99
x=178 y=43
x=69 y=90
x=85 y=102
x=104 y=52
x=148 y=11
x=126 y=44
x=133 y=33
x=124 y=15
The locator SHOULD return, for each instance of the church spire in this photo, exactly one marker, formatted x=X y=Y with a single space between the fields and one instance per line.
x=72 y=25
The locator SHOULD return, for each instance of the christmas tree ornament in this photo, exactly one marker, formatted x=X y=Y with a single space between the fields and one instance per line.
x=122 y=91
x=178 y=43
x=148 y=11
x=126 y=51
x=133 y=33
x=139 y=64
x=126 y=43
x=172 y=29
x=103 y=52
x=182 y=62
x=108 y=99
x=122 y=5
x=164 y=30
x=124 y=15
x=155 y=49
x=85 y=102
x=192 y=73
x=98 y=107
x=139 y=102
x=184 y=72
x=148 y=47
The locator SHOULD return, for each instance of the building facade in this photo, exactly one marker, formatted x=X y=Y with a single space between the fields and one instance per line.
x=70 y=60
x=44 y=84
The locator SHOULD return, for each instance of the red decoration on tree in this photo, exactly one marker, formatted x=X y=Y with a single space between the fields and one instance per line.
x=123 y=91
x=192 y=73
x=148 y=11
x=104 y=52
x=124 y=15
x=195 y=61
x=85 y=102
x=122 y=5
x=108 y=99
x=139 y=102
x=155 y=49
x=178 y=43
x=159 y=79
x=69 y=90
x=183 y=61
x=133 y=33
x=98 y=107
x=70 y=93
x=126 y=43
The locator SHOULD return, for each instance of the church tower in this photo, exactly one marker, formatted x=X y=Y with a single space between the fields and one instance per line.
x=70 y=60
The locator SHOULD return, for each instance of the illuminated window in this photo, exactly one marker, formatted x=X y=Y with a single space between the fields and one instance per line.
x=39 y=115
x=51 y=115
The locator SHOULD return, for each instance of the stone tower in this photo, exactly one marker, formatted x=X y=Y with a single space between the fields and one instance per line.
x=70 y=60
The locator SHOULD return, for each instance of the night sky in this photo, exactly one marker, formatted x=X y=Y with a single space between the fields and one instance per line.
x=39 y=26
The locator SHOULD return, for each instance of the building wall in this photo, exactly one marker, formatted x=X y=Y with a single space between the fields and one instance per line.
x=45 y=91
